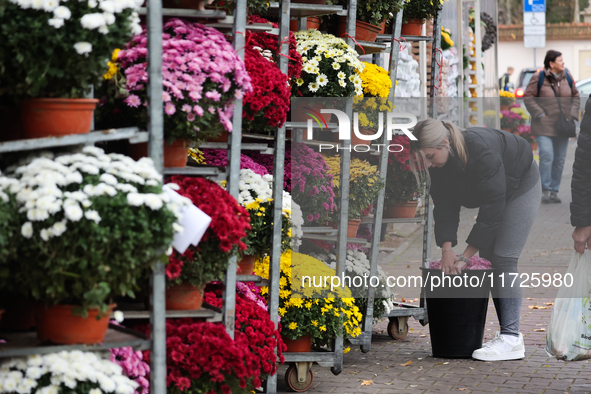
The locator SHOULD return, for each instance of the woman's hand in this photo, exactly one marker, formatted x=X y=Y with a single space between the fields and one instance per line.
x=448 y=262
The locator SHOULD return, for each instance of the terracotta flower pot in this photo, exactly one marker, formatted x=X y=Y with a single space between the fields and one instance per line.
x=246 y=265
x=413 y=27
x=184 y=297
x=399 y=210
x=19 y=315
x=44 y=117
x=363 y=30
x=353 y=227
x=298 y=345
x=57 y=324
x=175 y=154
x=504 y=107
x=507 y=130
x=382 y=27
x=313 y=22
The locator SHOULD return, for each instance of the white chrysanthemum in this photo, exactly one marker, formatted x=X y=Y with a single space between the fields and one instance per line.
x=58 y=229
x=126 y=188
x=45 y=234
x=135 y=199
x=109 y=18
x=50 y=390
x=107 y=384
x=107 y=6
x=55 y=22
x=73 y=212
x=103 y=30
x=92 y=3
x=313 y=86
x=342 y=83
x=152 y=182
x=153 y=201
x=62 y=12
x=118 y=316
x=74 y=177
x=92 y=21
x=27 y=230
x=50 y=5
x=83 y=48
x=173 y=186
x=92 y=215
x=341 y=75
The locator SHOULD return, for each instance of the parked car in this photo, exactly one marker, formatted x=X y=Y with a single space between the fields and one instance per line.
x=584 y=87
x=524 y=78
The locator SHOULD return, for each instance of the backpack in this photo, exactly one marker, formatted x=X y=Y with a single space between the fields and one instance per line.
x=542 y=77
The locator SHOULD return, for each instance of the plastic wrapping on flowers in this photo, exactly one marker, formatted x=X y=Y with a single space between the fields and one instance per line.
x=265 y=107
x=357 y=265
x=115 y=206
x=312 y=185
x=202 y=75
x=308 y=310
x=364 y=184
x=223 y=239
x=330 y=67
x=475 y=263
x=64 y=372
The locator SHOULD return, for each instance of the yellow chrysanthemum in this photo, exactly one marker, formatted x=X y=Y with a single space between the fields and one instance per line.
x=293 y=325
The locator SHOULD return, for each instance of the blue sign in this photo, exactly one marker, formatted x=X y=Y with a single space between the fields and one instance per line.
x=534 y=5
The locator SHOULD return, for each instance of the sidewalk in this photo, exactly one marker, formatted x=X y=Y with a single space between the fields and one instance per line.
x=407 y=366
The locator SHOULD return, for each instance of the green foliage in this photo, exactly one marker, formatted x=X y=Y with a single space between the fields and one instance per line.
x=401 y=186
x=259 y=239
x=8 y=233
x=421 y=9
x=38 y=60
x=375 y=12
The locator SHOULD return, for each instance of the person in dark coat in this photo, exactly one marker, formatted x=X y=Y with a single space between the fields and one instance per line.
x=494 y=171
x=580 y=207
x=545 y=111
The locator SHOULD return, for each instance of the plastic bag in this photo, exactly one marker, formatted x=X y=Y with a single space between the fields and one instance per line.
x=569 y=332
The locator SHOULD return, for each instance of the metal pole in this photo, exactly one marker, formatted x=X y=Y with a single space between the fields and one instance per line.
x=229 y=305
x=278 y=168
x=395 y=53
x=155 y=150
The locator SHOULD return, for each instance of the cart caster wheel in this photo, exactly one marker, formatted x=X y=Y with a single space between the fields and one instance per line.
x=365 y=349
x=291 y=379
x=393 y=330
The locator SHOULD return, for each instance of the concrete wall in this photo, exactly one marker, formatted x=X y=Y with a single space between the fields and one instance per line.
x=514 y=54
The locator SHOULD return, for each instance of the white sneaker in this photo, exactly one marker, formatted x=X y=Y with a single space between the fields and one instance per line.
x=499 y=349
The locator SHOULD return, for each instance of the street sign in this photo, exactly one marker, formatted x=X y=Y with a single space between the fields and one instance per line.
x=534 y=41
x=534 y=23
x=534 y=5
x=534 y=19
x=534 y=30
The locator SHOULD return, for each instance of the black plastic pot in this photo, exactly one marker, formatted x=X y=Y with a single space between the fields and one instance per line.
x=457 y=316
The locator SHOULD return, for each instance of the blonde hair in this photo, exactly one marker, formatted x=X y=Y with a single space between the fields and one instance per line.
x=431 y=133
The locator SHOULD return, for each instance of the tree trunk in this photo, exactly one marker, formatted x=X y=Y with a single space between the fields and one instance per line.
x=577 y=16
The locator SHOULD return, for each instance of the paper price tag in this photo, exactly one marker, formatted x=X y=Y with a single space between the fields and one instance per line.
x=194 y=222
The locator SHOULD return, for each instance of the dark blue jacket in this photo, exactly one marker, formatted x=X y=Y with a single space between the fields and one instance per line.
x=580 y=207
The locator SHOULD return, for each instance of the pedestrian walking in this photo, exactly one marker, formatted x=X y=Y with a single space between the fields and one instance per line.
x=550 y=94
x=580 y=207
x=494 y=171
x=505 y=80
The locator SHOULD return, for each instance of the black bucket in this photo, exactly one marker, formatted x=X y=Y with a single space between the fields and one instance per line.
x=457 y=316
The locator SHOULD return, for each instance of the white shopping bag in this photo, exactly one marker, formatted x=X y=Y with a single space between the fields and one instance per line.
x=569 y=332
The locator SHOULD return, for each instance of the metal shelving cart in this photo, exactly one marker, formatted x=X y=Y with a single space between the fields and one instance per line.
x=398 y=328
